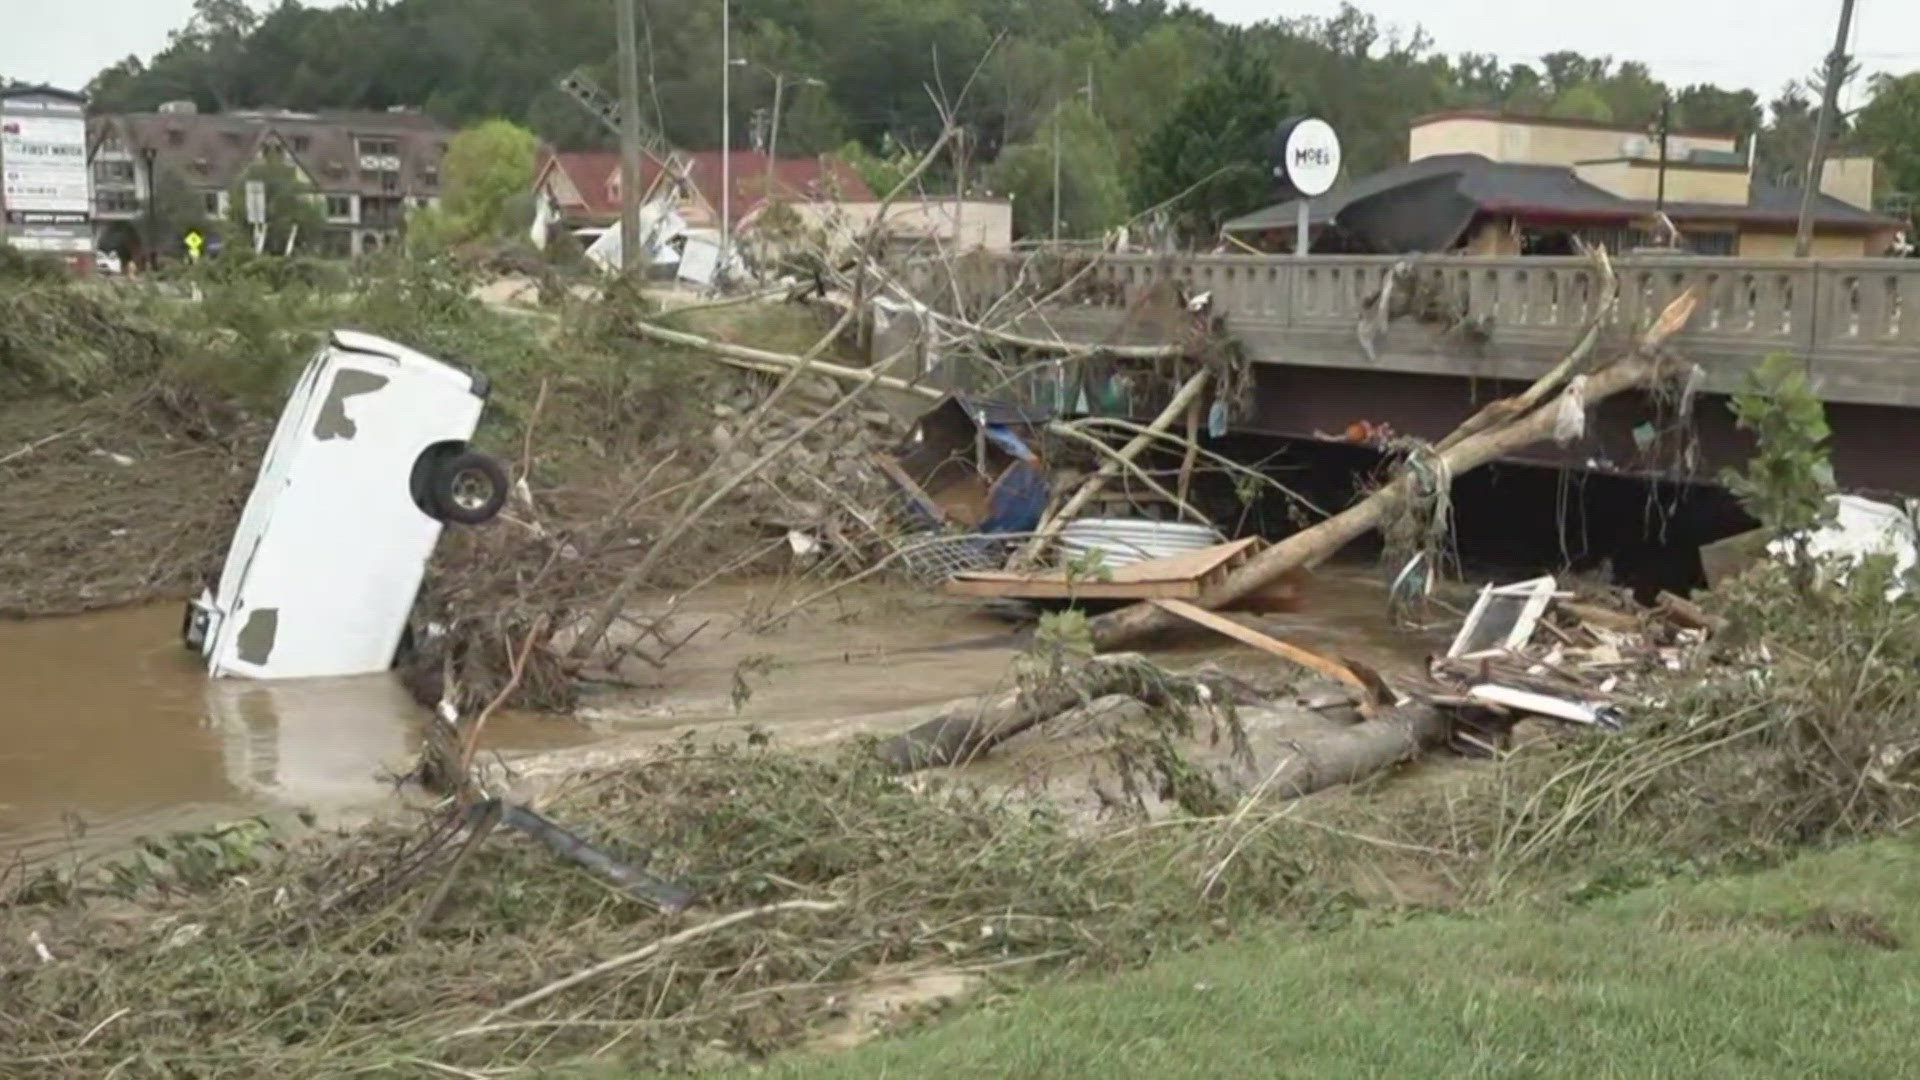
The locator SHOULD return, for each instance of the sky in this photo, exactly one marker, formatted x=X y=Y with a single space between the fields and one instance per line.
x=1759 y=44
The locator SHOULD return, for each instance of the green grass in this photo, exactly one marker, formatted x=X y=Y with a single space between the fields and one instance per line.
x=1761 y=975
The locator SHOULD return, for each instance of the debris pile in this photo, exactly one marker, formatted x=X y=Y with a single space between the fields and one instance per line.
x=405 y=943
x=827 y=497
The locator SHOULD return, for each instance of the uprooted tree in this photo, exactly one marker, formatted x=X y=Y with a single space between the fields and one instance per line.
x=1496 y=431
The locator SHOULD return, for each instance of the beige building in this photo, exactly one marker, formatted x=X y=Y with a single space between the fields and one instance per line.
x=950 y=224
x=1493 y=184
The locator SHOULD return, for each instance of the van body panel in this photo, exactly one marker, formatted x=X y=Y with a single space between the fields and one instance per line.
x=331 y=547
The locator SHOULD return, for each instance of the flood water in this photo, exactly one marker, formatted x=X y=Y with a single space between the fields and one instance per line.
x=109 y=728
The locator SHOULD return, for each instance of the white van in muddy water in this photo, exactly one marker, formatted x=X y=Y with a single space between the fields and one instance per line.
x=368 y=461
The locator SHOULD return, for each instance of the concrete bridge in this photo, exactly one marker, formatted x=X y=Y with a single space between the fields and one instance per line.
x=1485 y=326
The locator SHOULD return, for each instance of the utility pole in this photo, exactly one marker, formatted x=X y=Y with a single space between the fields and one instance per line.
x=726 y=140
x=773 y=139
x=1822 y=130
x=767 y=138
x=959 y=183
x=1666 y=128
x=629 y=138
x=1056 y=174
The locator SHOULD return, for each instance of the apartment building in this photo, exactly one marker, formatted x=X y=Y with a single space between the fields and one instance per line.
x=364 y=171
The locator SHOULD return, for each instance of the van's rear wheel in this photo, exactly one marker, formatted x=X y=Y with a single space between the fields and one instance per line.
x=467 y=488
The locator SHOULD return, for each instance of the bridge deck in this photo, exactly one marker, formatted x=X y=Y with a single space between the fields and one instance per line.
x=1856 y=323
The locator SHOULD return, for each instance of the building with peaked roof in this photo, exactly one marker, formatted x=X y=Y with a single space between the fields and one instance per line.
x=1484 y=183
x=364 y=171
x=585 y=186
x=583 y=190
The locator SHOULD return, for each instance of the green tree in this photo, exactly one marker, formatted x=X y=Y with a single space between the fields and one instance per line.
x=485 y=191
x=1632 y=94
x=291 y=212
x=882 y=171
x=1889 y=127
x=1134 y=98
x=1093 y=197
x=1703 y=107
x=1209 y=159
x=1786 y=484
x=1787 y=140
x=177 y=210
x=1581 y=103
x=1566 y=70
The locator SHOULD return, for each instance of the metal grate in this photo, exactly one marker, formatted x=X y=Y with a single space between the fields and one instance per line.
x=931 y=558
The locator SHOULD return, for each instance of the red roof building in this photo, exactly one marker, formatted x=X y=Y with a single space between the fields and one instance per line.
x=585 y=186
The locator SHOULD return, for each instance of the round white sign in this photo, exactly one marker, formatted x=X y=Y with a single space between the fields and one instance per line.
x=1310 y=158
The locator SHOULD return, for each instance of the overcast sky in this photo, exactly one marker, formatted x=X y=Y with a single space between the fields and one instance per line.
x=1753 y=43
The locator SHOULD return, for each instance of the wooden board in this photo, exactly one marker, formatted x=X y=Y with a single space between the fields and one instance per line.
x=1312 y=661
x=1179 y=577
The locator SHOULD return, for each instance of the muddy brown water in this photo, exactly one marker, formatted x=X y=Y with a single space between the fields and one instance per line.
x=109 y=729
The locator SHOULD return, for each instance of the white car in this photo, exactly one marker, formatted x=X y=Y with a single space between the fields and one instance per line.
x=369 y=460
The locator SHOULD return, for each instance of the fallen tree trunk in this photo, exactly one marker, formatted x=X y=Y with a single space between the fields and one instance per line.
x=1395 y=735
x=1501 y=428
x=1313 y=545
x=967 y=729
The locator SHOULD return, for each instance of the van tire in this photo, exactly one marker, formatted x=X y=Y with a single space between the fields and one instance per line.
x=467 y=488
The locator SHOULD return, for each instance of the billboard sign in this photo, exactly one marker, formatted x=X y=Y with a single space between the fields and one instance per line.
x=45 y=187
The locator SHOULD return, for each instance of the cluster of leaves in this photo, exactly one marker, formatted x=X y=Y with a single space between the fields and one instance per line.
x=1786 y=484
x=489 y=171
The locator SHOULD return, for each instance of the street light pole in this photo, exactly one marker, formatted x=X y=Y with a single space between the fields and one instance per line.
x=780 y=79
x=773 y=137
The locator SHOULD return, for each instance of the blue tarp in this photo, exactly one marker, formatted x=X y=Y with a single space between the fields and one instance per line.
x=1017 y=500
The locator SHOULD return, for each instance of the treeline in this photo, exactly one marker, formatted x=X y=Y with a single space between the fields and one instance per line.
x=1111 y=75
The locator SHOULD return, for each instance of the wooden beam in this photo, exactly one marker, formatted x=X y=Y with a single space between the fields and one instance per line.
x=1312 y=661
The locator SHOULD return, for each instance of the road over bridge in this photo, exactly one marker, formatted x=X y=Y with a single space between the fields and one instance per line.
x=1467 y=329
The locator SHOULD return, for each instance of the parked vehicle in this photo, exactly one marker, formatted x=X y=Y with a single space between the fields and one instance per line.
x=369 y=460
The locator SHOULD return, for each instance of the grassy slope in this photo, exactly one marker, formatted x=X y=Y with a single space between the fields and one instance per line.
x=1718 y=979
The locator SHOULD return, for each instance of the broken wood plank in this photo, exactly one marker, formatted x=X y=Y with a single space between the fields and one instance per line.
x=1527 y=701
x=1688 y=614
x=1604 y=617
x=914 y=492
x=1312 y=661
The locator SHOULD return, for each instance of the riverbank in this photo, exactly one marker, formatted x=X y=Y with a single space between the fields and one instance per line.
x=758 y=867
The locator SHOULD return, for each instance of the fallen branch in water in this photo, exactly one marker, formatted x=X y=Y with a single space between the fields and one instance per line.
x=1315 y=544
